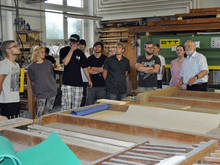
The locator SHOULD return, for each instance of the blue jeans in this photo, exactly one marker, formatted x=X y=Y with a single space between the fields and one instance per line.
x=116 y=96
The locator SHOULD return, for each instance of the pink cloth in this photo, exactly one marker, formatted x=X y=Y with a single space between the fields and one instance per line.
x=175 y=73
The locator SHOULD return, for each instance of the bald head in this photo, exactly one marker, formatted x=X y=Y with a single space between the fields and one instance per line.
x=190 y=47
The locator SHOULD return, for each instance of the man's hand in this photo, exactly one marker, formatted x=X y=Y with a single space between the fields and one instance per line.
x=90 y=83
x=192 y=80
x=180 y=83
x=73 y=47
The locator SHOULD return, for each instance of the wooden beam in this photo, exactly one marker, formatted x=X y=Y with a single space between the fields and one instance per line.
x=184 y=22
x=177 y=28
x=198 y=14
x=32 y=103
x=204 y=10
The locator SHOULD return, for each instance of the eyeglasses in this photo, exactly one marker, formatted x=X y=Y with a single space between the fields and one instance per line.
x=14 y=46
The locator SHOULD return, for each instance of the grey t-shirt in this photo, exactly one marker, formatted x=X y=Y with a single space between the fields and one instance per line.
x=147 y=79
x=10 y=87
x=42 y=80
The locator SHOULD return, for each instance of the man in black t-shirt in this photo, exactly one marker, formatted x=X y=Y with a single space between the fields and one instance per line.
x=96 y=62
x=116 y=69
x=73 y=59
x=148 y=66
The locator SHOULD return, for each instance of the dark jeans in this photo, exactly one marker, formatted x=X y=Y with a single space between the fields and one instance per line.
x=85 y=86
x=197 y=87
x=95 y=93
x=159 y=83
x=10 y=110
x=113 y=96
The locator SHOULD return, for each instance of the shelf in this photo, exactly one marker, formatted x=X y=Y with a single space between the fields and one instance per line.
x=113 y=31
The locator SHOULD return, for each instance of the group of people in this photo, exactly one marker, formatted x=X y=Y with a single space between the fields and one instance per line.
x=88 y=78
x=106 y=77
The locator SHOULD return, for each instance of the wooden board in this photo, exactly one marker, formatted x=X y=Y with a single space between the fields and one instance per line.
x=3 y=118
x=12 y=123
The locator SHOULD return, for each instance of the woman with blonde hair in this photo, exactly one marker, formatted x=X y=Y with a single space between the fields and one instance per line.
x=42 y=81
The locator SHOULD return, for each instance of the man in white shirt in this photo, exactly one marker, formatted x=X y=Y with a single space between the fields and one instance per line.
x=9 y=80
x=161 y=73
x=82 y=46
x=194 y=72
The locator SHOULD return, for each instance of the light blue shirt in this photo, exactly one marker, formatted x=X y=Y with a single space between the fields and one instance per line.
x=192 y=66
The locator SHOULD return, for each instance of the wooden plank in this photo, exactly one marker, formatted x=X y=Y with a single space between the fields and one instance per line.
x=188 y=102
x=201 y=10
x=112 y=31
x=210 y=95
x=198 y=14
x=176 y=28
x=81 y=136
x=3 y=118
x=32 y=104
x=200 y=152
x=135 y=158
x=157 y=151
x=184 y=22
x=113 y=38
x=12 y=123
x=113 y=102
x=212 y=159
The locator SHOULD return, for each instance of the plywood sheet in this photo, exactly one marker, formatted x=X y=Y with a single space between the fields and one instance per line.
x=189 y=122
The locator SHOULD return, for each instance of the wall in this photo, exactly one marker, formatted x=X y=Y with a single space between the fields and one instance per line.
x=122 y=9
x=209 y=3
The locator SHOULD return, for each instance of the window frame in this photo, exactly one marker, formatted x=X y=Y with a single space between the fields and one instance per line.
x=66 y=9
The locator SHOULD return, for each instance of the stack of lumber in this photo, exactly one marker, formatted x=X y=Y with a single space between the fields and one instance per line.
x=195 y=20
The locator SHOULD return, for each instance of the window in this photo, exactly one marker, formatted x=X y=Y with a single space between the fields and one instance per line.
x=75 y=3
x=75 y=26
x=57 y=2
x=54 y=26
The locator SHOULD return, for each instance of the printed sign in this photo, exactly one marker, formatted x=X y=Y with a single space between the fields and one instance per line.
x=169 y=43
